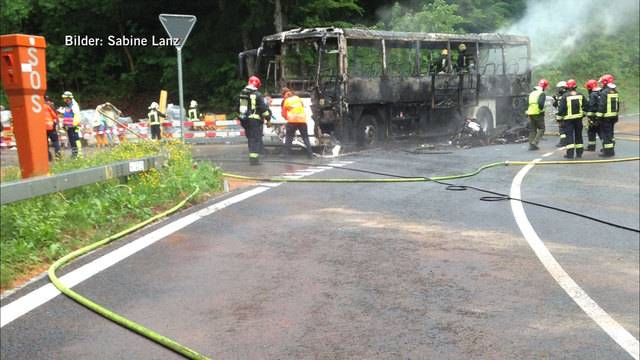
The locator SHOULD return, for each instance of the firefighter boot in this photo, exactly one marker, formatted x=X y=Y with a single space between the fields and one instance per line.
x=569 y=154
x=579 y=152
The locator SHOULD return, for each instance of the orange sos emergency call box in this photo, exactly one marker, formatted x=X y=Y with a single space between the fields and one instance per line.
x=24 y=78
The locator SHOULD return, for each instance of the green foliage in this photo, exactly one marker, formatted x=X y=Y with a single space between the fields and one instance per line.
x=431 y=16
x=40 y=230
x=599 y=54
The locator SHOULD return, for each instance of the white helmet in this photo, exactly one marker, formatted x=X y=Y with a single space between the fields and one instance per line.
x=154 y=105
x=67 y=95
x=611 y=85
x=561 y=84
x=193 y=103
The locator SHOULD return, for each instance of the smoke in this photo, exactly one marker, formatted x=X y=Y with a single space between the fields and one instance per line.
x=555 y=27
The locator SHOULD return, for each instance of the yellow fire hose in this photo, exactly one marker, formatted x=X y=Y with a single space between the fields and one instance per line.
x=426 y=179
x=118 y=319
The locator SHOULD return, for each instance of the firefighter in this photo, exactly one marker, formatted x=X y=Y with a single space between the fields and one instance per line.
x=441 y=65
x=607 y=113
x=561 y=88
x=462 y=64
x=154 y=116
x=71 y=123
x=293 y=112
x=570 y=113
x=52 y=127
x=593 y=126
x=535 y=112
x=252 y=112
x=192 y=114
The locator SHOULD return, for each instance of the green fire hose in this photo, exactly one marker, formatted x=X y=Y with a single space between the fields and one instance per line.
x=120 y=320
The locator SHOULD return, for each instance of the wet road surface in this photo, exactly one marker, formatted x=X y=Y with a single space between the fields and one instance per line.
x=380 y=271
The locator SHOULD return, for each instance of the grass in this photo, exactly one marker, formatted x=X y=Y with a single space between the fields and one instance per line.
x=36 y=232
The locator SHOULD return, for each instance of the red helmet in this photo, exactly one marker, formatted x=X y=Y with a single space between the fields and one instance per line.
x=571 y=84
x=591 y=84
x=255 y=82
x=543 y=83
x=606 y=79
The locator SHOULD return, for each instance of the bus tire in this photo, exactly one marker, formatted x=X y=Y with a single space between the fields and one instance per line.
x=369 y=132
x=484 y=117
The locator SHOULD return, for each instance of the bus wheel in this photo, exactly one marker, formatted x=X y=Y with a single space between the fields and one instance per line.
x=368 y=130
x=485 y=119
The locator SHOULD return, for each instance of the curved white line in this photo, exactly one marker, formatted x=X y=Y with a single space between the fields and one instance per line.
x=618 y=333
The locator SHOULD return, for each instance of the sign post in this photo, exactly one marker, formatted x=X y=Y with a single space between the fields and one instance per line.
x=178 y=27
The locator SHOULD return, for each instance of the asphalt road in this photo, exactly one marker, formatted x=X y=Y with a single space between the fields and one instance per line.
x=380 y=271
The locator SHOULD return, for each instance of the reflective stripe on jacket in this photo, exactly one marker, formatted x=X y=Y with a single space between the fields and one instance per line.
x=154 y=119
x=293 y=110
x=609 y=103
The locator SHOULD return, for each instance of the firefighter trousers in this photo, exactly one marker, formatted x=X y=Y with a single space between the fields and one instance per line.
x=254 y=140
x=73 y=135
x=593 y=129
x=608 y=144
x=55 y=142
x=536 y=128
x=563 y=134
x=156 y=132
x=573 y=130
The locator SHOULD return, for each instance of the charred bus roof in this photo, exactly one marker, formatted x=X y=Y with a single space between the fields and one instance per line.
x=365 y=34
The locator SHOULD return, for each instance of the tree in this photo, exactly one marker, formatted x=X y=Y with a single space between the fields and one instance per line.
x=436 y=16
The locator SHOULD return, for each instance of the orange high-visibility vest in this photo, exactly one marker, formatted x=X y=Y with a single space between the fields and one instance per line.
x=294 y=110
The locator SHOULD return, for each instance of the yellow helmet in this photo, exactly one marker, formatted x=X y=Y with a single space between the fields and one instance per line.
x=445 y=51
x=462 y=47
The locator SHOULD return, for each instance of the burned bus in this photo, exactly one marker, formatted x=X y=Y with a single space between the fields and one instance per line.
x=362 y=86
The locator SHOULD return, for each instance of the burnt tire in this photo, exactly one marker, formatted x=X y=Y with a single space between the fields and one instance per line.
x=484 y=117
x=369 y=132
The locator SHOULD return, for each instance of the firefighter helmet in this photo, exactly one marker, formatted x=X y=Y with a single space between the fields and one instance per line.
x=543 y=83
x=462 y=47
x=154 y=105
x=571 y=84
x=67 y=95
x=445 y=52
x=590 y=84
x=193 y=103
x=255 y=82
x=606 y=79
x=561 y=84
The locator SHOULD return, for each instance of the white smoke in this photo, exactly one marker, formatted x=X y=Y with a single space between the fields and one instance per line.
x=555 y=27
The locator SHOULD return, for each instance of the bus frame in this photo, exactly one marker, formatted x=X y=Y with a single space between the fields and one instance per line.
x=366 y=85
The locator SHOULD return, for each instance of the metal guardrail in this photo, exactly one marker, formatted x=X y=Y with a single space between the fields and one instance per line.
x=43 y=185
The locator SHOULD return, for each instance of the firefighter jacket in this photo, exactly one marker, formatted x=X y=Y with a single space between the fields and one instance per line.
x=608 y=103
x=154 y=117
x=252 y=105
x=571 y=106
x=557 y=97
x=536 y=102
x=293 y=110
x=592 y=105
x=192 y=114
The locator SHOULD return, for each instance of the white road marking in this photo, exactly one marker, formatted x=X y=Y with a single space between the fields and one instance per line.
x=618 y=333
x=32 y=300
